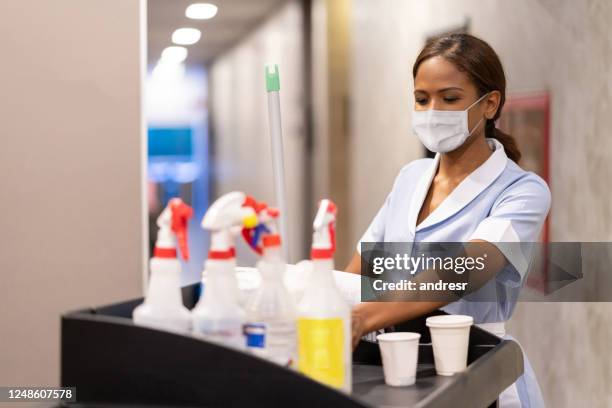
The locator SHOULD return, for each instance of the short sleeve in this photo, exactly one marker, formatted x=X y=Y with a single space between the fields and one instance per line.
x=516 y=220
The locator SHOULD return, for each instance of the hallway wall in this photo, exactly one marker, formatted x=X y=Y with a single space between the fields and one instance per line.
x=72 y=212
x=561 y=46
x=239 y=115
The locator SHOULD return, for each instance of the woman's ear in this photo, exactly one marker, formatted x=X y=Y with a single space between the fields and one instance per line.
x=492 y=104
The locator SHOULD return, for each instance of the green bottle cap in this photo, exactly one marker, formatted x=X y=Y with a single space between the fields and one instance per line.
x=272 y=79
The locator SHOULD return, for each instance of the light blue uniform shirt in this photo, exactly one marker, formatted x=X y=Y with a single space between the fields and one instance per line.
x=498 y=202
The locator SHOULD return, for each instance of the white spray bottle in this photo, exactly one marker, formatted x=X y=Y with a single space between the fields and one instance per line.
x=271 y=315
x=218 y=316
x=163 y=306
x=324 y=318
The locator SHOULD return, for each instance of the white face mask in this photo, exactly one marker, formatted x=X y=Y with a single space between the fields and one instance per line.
x=443 y=131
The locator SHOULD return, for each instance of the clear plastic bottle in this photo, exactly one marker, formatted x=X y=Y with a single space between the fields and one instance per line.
x=218 y=316
x=271 y=315
x=163 y=305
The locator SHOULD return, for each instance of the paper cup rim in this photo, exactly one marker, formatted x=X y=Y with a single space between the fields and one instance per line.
x=449 y=321
x=398 y=336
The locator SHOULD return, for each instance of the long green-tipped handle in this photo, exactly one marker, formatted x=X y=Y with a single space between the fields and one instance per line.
x=276 y=136
x=272 y=79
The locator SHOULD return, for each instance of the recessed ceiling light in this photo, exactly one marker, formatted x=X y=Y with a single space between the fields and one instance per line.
x=186 y=36
x=201 y=11
x=167 y=72
x=174 y=54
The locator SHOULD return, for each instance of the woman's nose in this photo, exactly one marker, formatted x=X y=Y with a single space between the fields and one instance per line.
x=434 y=103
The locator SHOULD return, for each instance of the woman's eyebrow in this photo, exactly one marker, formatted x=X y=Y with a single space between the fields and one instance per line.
x=450 y=88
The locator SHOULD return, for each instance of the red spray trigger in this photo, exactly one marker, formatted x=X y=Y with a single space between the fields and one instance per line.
x=324 y=242
x=250 y=201
x=332 y=209
x=181 y=213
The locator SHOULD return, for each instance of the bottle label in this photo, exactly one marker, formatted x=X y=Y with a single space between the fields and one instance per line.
x=274 y=340
x=255 y=335
x=321 y=350
x=225 y=332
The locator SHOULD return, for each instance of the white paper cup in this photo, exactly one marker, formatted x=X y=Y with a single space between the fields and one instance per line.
x=450 y=335
x=400 y=352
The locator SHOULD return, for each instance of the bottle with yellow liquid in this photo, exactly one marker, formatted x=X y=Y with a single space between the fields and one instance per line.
x=324 y=318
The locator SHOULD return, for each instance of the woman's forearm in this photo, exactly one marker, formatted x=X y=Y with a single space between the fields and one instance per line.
x=378 y=315
x=371 y=316
x=354 y=266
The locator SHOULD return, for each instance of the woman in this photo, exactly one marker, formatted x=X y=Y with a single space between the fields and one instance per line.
x=473 y=191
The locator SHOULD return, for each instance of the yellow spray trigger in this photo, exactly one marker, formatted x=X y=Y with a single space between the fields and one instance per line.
x=250 y=221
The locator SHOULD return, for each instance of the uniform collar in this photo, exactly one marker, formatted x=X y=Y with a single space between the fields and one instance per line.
x=463 y=194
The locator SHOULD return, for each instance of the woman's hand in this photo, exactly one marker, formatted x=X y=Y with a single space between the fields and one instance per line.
x=358 y=323
x=371 y=316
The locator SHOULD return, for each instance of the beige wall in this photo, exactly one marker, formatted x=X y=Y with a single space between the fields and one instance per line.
x=71 y=212
x=320 y=99
x=239 y=114
x=562 y=46
x=338 y=88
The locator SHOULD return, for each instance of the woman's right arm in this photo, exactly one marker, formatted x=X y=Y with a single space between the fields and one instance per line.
x=354 y=266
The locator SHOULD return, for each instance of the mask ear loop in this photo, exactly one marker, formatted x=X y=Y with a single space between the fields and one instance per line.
x=475 y=127
x=478 y=100
x=470 y=107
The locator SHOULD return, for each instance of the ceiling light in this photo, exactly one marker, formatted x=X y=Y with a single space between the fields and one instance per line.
x=174 y=54
x=186 y=36
x=168 y=72
x=201 y=11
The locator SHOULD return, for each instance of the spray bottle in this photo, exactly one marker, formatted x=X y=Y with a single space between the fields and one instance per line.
x=271 y=316
x=218 y=316
x=324 y=318
x=163 y=306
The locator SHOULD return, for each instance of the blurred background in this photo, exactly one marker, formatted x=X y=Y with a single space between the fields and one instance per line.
x=113 y=106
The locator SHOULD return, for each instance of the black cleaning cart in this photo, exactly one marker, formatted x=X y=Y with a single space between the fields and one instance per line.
x=113 y=362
